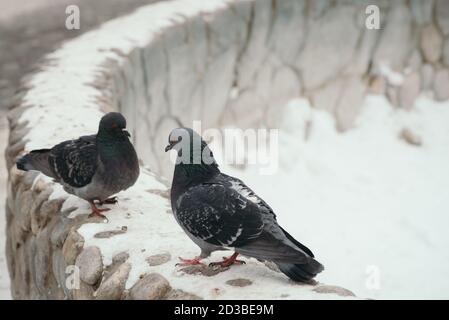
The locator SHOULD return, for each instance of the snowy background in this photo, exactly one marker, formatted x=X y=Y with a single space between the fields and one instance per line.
x=373 y=208
x=29 y=30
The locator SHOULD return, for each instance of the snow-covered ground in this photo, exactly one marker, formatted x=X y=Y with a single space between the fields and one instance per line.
x=151 y=230
x=373 y=208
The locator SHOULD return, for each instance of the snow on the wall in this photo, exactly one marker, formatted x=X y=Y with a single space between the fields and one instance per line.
x=362 y=197
x=57 y=111
x=79 y=61
x=373 y=207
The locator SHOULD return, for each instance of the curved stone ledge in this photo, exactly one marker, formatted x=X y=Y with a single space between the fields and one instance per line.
x=225 y=62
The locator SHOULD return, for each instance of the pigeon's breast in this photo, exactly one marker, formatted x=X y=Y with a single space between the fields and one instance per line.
x=107 y=182
x=119 y=175
x=206 y=248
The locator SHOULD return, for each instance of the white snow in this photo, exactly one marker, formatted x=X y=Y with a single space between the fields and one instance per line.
x=80 y=60
x=152 y=229
x=394 y=78
x=59 y=113
x=363 y=201
x=371 y=206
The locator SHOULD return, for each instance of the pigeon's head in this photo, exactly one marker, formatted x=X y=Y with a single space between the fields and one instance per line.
x=176 y=136
x=191 y=148
x=114 y=124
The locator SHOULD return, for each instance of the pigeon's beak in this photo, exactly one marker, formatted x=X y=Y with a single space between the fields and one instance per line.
x=169 y=147
x=126 y=133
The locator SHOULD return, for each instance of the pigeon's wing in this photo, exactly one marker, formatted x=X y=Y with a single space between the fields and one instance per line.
x=240 y=187
x=218 y=215
x=75 y=161
x=274 y=242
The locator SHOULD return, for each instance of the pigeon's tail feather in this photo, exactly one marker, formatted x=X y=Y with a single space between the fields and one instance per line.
x=301 y=272
x=22 y=164
x=294 y=261
x=36 y=160
x=269 y=247
x=297 y=243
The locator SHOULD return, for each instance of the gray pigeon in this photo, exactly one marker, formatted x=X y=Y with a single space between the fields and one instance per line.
x=92 y=167
x=218 y=212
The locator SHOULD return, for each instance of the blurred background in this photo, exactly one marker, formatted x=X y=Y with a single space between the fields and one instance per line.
x=364 y=150
x=29 y=30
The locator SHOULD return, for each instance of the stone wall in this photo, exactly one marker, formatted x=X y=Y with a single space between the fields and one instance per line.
x=241 y=66
x=230 y=62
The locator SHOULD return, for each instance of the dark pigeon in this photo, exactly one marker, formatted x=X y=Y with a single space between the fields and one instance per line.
x=218 y=212
x=91 y=167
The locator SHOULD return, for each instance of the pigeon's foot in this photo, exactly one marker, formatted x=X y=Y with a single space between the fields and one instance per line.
x=111 y=200
x=189 y=262
x=227 y=261
x=96 y=212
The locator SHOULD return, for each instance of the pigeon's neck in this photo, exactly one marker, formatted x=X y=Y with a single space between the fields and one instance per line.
x=112 y=148
x=190 y=174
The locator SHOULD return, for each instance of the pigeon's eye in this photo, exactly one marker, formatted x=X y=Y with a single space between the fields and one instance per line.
x=114 y=125
x=175 y=140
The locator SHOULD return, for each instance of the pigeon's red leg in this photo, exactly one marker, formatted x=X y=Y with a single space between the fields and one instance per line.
x=228 y=261
x=97 y=212
x=190 y=262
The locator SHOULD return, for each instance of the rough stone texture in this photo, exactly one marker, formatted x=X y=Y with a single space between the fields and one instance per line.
x=158 y=259
x=395 y=43
x=237 y=67
x=111 y=233
x=414 y=62
x=409 y=91
x=37 y=261
x=239 y=282
x=151 y=287
x=393 y=95
x=427 y=74
x=442 y=15
x=84 y=292
x=431 y=43
x=120 y=258
x=377 y=85
x=349 y=102
x=446 y=53
x=34 y=29
x=112 y=287
x=441 y=85
x=181 y=295
x=422 y=11
x=343 y=98
x=330 y=45
x=204 y=270
x=90 y=264
x=335 y=290
x=410 y=137
x=326 y=97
